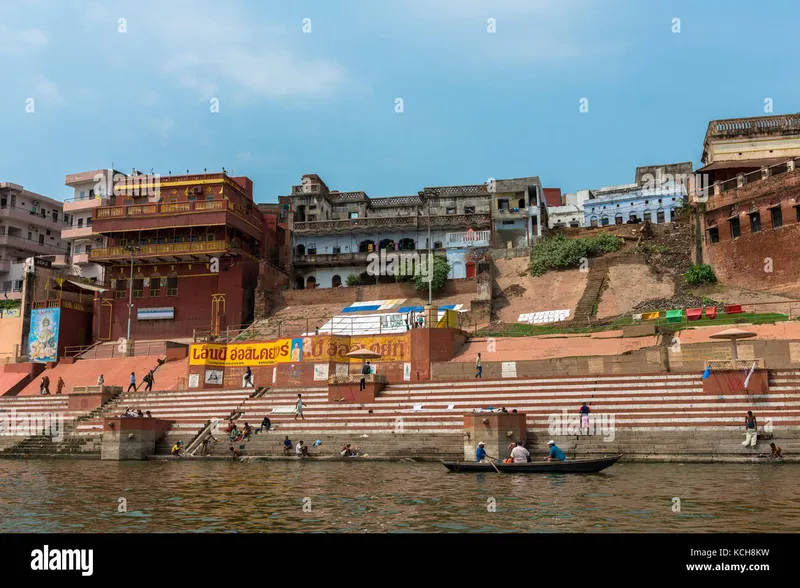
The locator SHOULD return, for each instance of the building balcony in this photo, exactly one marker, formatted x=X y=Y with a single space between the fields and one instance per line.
x=25 y=215
x=76 y=233
x=331 y=259
x=397 y=222
x=468 y=239
x=81 y=258
x=167 y=252
x=508 y=214
x=30 y=245
x=156 y=215
x=5 y=265
x=78 y=204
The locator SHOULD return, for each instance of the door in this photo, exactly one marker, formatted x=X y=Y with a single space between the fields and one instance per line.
x=470 y=269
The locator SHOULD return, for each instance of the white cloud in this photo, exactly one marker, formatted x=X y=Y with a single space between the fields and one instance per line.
x=161 y=126
x=219 y=51
x=32 y=37
x=18 y=41
x=45 y=90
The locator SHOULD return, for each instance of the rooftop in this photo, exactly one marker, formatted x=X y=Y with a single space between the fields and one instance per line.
x=779 y=124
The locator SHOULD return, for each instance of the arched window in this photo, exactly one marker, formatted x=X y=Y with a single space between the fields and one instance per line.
x=336 y=281
x=172 y=284
x=366 y=246
x=301 y=250
x=311 y=283
x=155 y=285
x=300 y=283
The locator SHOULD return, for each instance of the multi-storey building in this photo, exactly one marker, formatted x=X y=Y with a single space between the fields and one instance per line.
x=333 y=233
x=749 y=202
x=30 y=226
x=656 y=194
x=519 y=212
x=187 y=248
x=88 y=194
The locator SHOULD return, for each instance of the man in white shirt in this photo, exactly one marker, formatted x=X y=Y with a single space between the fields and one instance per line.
x=520 y=454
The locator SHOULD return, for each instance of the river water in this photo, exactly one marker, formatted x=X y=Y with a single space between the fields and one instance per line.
x=357 y=496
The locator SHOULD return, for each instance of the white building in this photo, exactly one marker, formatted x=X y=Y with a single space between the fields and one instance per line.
x=79 y=234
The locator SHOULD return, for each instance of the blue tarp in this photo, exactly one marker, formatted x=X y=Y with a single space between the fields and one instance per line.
x=360 y=308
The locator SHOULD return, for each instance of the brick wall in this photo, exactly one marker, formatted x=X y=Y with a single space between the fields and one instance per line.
x=744 y=261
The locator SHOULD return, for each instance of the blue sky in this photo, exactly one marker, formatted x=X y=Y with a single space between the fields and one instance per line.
x=476 y=104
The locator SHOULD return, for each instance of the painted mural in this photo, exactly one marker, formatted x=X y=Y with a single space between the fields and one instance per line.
x=43 y=336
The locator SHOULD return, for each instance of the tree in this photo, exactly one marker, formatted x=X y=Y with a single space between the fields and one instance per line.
x=441 y=269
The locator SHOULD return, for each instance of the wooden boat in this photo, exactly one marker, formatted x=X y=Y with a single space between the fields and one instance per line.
x=571 y=466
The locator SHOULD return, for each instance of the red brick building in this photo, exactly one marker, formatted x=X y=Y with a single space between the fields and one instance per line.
x=748 y=195
x=195 y=247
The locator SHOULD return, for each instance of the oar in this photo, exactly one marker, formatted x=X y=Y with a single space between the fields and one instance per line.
x=494 y=466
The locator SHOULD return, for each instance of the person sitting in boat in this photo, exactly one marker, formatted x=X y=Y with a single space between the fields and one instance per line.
x=480 y=452
x=555 y=453
x=520 y=454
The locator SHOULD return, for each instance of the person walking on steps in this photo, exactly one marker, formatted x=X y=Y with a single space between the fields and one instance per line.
x=750 y=430
x=248 y=378
x=60 y=385
x=300 y=406
x=149 y=379
x=132 y=383
x=479 y=367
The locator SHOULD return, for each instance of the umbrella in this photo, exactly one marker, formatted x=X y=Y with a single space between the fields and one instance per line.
x=733 y=335
x=364 y=355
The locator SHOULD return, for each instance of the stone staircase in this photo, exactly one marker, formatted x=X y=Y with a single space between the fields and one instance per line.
x=598 y=273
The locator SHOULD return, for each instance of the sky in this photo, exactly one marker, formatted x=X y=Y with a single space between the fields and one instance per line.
x=384 y=96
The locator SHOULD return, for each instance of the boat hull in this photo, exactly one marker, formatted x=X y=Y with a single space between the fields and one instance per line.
x=571 y=466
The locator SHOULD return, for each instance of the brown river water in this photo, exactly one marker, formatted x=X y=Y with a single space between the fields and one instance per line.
x=225 y=496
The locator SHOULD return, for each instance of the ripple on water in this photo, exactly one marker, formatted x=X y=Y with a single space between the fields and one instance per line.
x=53 y=496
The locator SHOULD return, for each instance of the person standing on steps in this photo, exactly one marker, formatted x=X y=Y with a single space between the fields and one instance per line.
x=365 y=371
x=479 y=367
x=750 y=430
x=584 y=410
x=59 y=385
x=132 y=382
x=100 y=380
x=300 y=406
x=248 y=378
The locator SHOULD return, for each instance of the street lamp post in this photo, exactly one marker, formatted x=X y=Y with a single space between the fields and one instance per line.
x=430 y=256
x=132 y=249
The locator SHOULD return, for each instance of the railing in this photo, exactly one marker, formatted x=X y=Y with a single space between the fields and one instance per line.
x=27 y=213
x=61 y=304
x=455 y=190
x=163 y=249
x=727 y=192
x=396 y=201
x=107 y=350
x=755 y=125
x=30 y=244
x=735 y=364
x=396 y=221
x=468 y=238
x=136 y=210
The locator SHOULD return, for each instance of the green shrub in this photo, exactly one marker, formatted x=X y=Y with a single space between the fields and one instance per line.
x=561 y=253
x=440 y=271
x=353 y=280
x=700 y=274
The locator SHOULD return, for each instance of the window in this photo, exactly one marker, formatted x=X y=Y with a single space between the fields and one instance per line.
x=18 y=285
x=80 y=223
x=89 y=222
x=469 y=210
x=353 y=215
x=138 y=287
x=437 y=244
x=48 y=232
x=777 y=217
x=648 y=217
x=660 y=216
x=605 y=221
x=55 y=216
x=735 y=228
x=618 y=219
x=122 y=289
x=451 y=210
x=83 y=194
x=647 y=202
x=7 y=286
x=502 y=204
x=672 y=215
x=511 y=222
x=713 y=235
x=91 y=193
x=755 y=222
x=155 y=287
x=172 y=286
x=336 y=249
